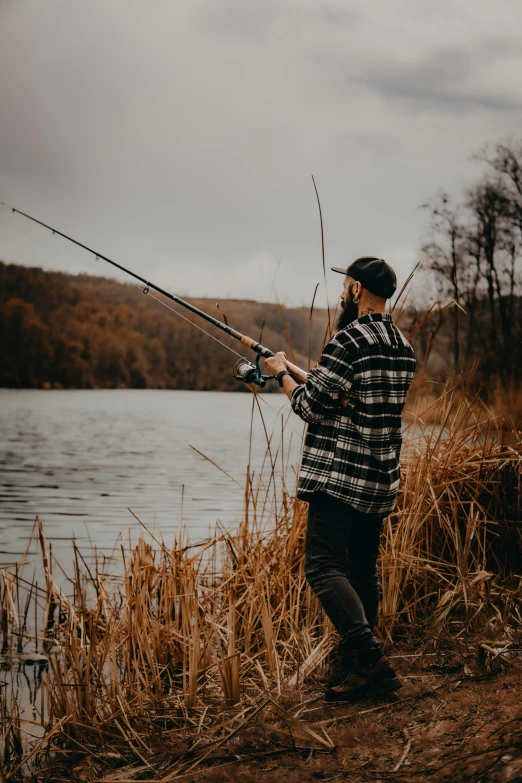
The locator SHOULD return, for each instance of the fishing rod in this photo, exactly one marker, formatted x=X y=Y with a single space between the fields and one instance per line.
x=244 y=370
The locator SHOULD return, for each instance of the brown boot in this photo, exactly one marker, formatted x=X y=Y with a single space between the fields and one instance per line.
x=371 y=675
x=339 y=669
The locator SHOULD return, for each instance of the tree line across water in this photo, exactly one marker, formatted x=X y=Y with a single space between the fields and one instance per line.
x=64 y=331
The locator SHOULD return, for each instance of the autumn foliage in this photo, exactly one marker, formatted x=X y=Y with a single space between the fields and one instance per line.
x=84 y=332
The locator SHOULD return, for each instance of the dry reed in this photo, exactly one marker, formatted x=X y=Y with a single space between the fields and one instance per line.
x=161 y=663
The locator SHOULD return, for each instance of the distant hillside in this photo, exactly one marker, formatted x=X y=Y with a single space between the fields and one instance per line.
x=84 y=332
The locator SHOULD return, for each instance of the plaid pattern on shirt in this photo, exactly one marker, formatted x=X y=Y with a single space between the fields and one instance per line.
x=352 y=402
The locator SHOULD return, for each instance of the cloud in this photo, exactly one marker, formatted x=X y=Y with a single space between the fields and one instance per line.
x=252 y=278
x=179 y=137
x=376 y=141
x=254 y=21
x=448 y=79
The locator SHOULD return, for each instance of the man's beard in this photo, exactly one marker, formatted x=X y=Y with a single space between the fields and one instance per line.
x=349 y=312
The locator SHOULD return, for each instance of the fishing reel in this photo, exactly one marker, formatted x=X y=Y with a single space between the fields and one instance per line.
x=247 y=372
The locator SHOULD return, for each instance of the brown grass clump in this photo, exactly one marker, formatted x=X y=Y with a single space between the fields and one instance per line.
x=179 y=658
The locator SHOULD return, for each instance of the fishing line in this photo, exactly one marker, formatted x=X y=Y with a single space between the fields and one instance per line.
x=244 y=370
x=161 y=302
x=145 y=290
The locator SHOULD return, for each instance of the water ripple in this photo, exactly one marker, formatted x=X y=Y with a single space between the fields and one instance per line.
x=108 y=451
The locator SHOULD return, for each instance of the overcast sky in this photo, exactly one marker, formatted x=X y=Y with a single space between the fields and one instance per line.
x=179 y=136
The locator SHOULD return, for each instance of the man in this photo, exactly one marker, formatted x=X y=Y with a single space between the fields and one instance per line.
x=349 y=474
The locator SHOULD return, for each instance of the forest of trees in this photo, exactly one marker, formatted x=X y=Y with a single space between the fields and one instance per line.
x=64 y=331
x=474 y=257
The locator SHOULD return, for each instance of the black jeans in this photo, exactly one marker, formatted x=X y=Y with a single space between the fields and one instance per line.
x=341 y=551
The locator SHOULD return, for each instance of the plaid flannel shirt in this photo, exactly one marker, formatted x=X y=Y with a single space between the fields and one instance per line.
x=352 y=402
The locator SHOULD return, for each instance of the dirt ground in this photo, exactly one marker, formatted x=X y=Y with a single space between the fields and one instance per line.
x=444 y=727
x=451 y=723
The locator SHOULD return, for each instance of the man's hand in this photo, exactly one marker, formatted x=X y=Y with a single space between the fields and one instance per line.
x=277 y=363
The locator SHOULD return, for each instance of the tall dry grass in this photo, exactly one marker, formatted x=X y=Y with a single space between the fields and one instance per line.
x=160 y=659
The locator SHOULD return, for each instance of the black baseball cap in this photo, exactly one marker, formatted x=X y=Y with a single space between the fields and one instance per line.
x=372 y=273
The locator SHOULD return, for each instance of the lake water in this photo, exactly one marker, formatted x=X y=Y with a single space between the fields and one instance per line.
x=81 y=459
